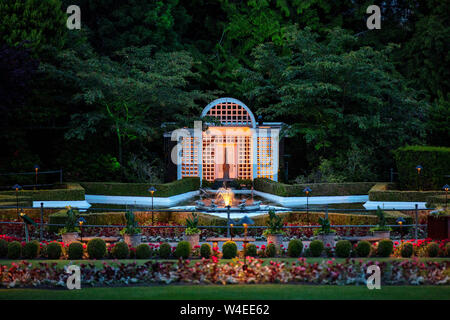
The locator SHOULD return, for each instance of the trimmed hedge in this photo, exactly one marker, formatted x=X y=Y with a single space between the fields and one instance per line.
x=96 y=248
x=75 y=251
x=363 y=248
x=229 y=250
x=316 y=248
x=62 y=192
x=183 y=250
x=318 y=189
x=386 y=192
x=31 y=249
x=14 y=250
x=54 y=250
x=205 y=251
x=3 y=248
x=143 y=251
x=121 y=251
x=385 y=248
x=343 y=248
x=434 y=160
x=251 y=250
x=406 y=250
x=141 y=189
x=165 y=250
x=271 y=250
x=295 y=248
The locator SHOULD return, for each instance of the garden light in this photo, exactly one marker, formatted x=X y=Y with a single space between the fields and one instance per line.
x=419 y=170
x=446 y=193
x=307 y=190
x=152 y=190
x=17 y=188
x=80 y=221
x=36 y=169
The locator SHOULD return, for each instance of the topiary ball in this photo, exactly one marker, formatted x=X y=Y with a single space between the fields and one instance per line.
x=316 y=248
x=385 y=248
x=250 y=250
x=3 y=248
x=14 y=250
x=343 y=248
x=406 y=250
x=120 y=250
x=75 y=251
x=54 y=250
x=295 y=248
x=183 y=250
x=432 y=249
x=271 y=250
x=447 y=249
x=143 y=251
x=31 y=249
x=165 y=251
x=229 y=250
x=96 y=248
x=205 y=251
x=363 y=248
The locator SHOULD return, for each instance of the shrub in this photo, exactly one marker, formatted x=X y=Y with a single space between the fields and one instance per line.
x=3 y=248
x=121 y=251
x=295 y=248
x=14 y=250
x=229 y=250
x=271 y=250
x=363 y=248
x=54 y=250
x=406 y=250
x=183 y=250
x=96 y=248
x=75 y=251
x=205 y=251
x=143 y=251
x=385 y=248
x=165 y=250
x=447 y=248
x=432 y=249
x=316 y=248
x=250 y=250
x=31 y=249
x=343 y=248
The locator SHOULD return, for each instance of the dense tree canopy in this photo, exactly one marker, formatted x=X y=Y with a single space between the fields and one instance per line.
x=93 y=101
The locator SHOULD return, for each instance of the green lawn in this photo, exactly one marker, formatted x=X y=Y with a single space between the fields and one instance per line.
x=99 y=263
x=235 y=292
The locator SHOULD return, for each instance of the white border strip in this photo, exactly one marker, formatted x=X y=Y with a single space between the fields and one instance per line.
x=141 y=201
x=300 y=201
x=373 y=205
x=81 y=204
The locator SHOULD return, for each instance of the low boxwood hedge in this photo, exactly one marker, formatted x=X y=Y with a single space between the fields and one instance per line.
x=141 y=189
x=387 y=192
x=318 y=189
x=61 y=192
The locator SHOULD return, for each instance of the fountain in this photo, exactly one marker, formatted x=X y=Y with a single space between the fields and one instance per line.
x=225 y=201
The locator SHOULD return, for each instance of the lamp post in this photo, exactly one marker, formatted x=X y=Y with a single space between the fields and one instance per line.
x=152 y=190
x=80 y=221
x=400 y=222
x=17 y=187
x=307 y=190
x=419 y=170
x=446 y=194
x=231 y=230
x=36 y=169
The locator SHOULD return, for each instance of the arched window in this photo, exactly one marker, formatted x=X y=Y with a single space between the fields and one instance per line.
x=230 y=112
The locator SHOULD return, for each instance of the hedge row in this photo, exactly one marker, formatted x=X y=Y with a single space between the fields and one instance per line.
x=62 y=192
x=142 y=217
x=141 y=189
x=317 y=189
x=434 y=160
x=384 y=192
x=335 y=218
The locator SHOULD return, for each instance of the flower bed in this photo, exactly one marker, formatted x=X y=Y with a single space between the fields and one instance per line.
x=210 y=271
